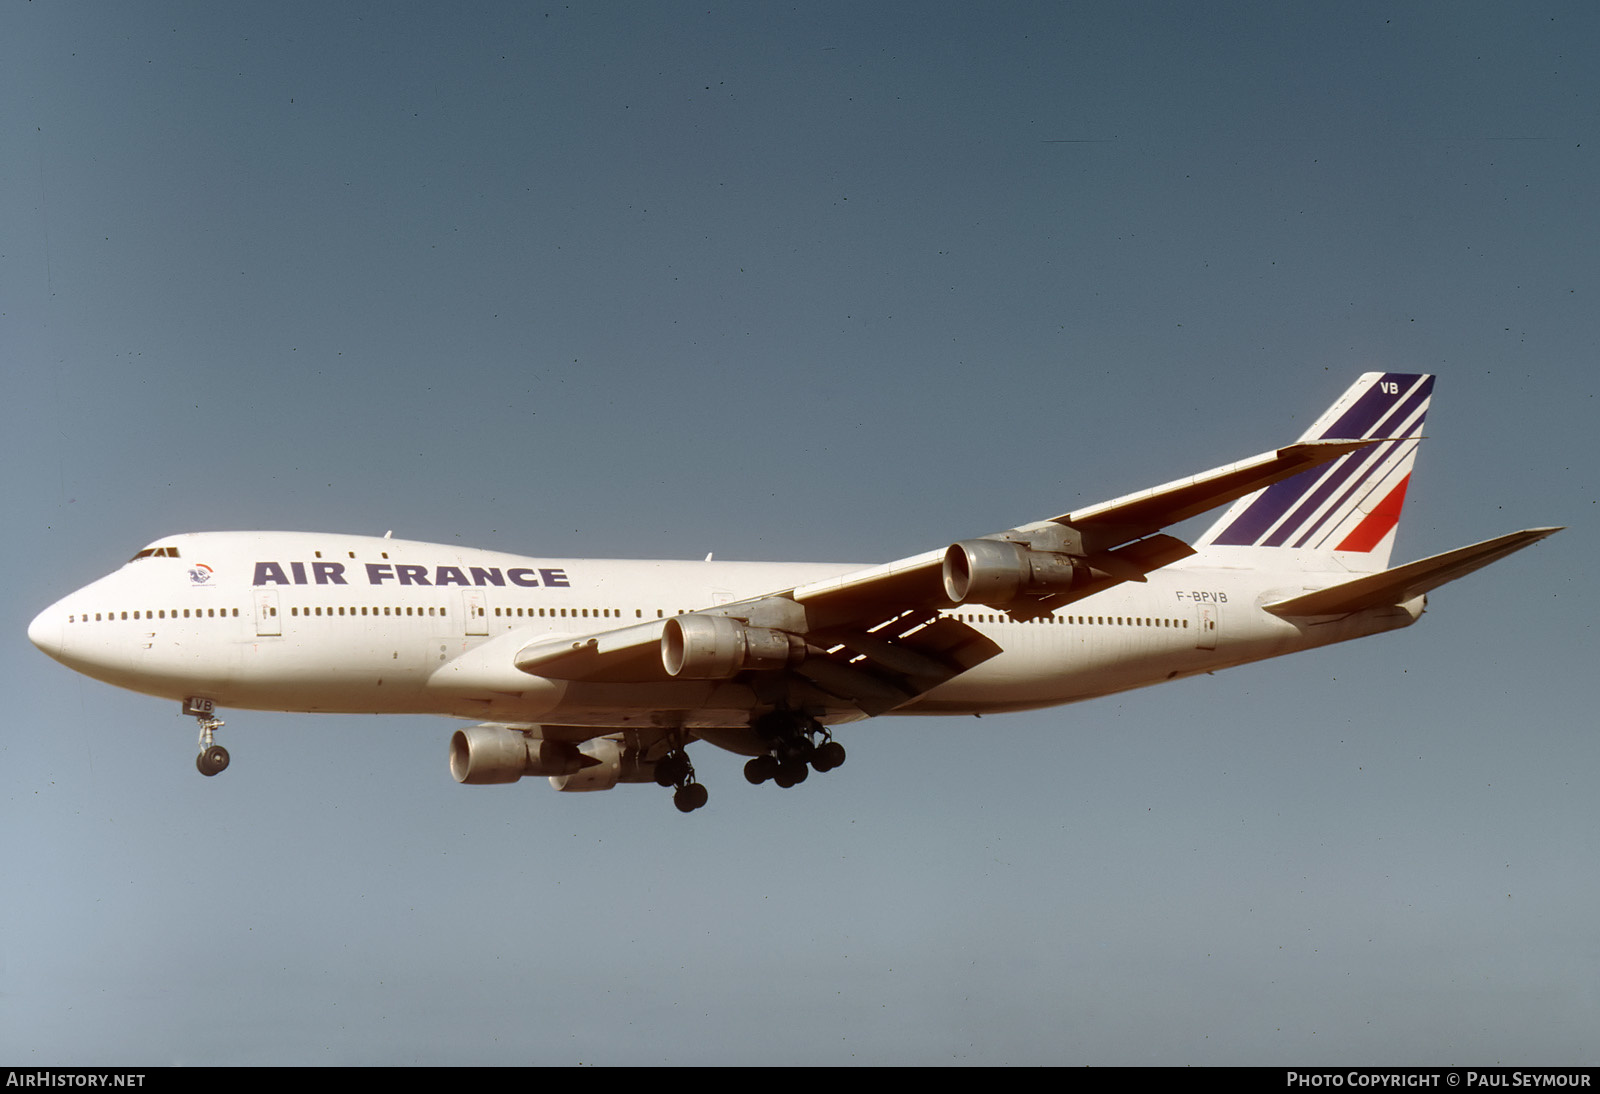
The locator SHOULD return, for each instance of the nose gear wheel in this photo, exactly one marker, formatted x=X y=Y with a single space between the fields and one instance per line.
x=213 y=758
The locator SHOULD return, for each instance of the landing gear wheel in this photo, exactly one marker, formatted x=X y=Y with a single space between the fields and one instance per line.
x=828 y=757
x=797 y=744
x=674 y=769
x=212 y=761
x=213 y=758
x=691 y=797
x=791 y=773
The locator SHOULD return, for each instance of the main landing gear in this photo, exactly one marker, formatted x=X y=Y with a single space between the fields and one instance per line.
x=674 y=769
x=213 y=758
x=797 y=743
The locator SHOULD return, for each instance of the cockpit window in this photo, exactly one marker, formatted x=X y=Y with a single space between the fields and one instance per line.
x=155 y=552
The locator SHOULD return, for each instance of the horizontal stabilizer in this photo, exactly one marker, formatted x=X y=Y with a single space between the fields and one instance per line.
x=1407 y=582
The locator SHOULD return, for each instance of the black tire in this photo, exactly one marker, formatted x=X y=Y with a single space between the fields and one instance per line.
x=212 y=761
x=829 y=756
x=691 y=797
x=672 y=769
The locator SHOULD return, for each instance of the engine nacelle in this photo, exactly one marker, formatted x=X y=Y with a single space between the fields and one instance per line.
x=605 y=764
x=996 y=571
x=498 y=754
x=717 y=647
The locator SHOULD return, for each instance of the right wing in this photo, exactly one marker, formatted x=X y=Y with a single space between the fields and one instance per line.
x=1110 y=537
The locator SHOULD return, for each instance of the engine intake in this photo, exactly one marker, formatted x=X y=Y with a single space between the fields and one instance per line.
x=997 y=571
x=718 y=647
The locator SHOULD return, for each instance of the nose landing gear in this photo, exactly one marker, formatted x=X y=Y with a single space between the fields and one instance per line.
x=213 y=758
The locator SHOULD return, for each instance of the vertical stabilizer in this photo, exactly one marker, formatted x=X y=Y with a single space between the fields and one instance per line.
x=1342 y=516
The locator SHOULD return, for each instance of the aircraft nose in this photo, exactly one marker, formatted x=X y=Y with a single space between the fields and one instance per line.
x=45 y=631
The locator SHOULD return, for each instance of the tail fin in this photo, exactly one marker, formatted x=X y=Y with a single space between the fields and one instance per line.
x=1341 y=516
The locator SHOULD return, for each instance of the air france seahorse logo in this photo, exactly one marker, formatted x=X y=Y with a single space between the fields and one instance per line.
x=201 y=574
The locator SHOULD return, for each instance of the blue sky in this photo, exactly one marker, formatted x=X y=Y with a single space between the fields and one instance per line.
x=823 y=282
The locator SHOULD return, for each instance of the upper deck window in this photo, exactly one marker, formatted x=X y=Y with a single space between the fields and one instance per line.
x=155 y=552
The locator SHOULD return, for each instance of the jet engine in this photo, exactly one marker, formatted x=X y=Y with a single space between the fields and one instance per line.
x=605 y=764
x=717 y=647
x=499 y=754
x=997 y=571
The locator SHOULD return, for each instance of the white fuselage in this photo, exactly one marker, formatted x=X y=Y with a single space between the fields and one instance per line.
x=340 y=623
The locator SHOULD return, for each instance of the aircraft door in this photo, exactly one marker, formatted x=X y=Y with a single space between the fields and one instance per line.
x=1206 y=615
x=267 y=622
x=475 y=605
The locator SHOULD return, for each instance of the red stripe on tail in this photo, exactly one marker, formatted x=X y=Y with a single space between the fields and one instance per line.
x=1378 y=523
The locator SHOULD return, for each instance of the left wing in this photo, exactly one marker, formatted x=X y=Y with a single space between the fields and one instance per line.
x=876 y=638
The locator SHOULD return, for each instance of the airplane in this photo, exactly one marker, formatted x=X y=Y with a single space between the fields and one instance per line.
x=594 y=672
